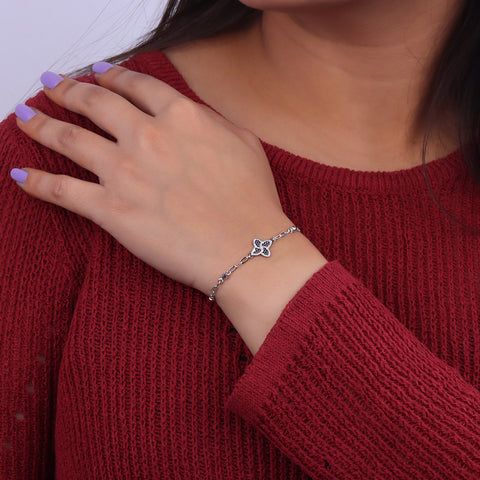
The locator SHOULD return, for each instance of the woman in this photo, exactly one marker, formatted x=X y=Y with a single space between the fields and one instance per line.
x=351 y=351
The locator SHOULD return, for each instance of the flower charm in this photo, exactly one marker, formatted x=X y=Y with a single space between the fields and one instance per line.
x=261 y=247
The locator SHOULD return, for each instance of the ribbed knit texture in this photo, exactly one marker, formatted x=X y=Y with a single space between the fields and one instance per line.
x=111 y=370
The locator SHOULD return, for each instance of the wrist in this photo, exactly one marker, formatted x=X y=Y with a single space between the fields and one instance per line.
x=261 y=276
x=258 y=291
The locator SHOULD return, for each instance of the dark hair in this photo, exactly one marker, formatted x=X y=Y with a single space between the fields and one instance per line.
x=453 y=84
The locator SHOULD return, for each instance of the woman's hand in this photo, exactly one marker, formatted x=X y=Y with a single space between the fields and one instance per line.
x=182 y=188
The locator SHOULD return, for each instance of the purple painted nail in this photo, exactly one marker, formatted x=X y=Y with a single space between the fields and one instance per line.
x=50 y=79
x=101 y=67
x=24 y=113
x=19 y=175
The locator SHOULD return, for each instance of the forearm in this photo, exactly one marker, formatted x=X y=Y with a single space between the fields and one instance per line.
x=255 y=295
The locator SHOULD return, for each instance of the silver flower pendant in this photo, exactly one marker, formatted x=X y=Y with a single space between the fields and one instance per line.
x=261 y=247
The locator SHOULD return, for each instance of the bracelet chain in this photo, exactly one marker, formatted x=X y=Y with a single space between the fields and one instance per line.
x=260 y=247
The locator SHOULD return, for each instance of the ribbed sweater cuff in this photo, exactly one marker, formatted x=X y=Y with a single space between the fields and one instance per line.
x=284 y=341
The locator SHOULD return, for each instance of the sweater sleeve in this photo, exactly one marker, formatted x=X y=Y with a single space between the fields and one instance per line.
x=40 y=277
x=346 y=391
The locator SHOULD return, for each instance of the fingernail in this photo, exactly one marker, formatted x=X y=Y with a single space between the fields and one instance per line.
x=50 y=79
x=24 y=113
x=19 y=175
x=101 y=67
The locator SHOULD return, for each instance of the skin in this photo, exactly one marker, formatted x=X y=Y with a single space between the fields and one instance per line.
x=309 y=71
x=173 y=159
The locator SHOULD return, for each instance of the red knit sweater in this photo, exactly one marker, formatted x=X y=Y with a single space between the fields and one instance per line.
x=112 y=370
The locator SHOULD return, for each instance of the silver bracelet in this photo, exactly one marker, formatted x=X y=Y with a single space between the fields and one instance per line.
x=260 y=247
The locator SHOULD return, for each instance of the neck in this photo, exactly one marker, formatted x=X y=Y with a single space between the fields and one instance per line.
x=359 y=67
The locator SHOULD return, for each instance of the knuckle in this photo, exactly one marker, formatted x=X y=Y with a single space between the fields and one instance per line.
x=148 y=134
x=118 y=206
x=90 y=96
x=182 y=106
x=131 y=173
x=67 y=136
x=59 y=187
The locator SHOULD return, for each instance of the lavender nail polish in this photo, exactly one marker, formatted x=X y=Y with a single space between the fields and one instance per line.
x=101 y=67
x=50 y=79
x=19 y=175
x=24 y=113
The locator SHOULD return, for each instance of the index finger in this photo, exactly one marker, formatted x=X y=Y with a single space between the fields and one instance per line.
x=112 y=113
x=149 y=94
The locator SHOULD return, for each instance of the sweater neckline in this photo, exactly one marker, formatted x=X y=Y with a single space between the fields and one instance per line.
x=305 y=170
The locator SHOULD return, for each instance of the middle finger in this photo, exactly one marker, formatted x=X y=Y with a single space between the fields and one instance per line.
x=111 y=112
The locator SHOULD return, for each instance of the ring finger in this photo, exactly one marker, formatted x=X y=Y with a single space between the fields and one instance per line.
x=70 y=140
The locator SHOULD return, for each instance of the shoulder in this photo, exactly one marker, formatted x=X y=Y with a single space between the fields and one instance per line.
x=155 y=63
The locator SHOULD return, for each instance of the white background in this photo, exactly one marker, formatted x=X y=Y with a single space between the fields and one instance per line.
x=62 y=35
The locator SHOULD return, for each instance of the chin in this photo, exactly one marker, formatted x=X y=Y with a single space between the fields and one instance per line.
x=290 y=4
